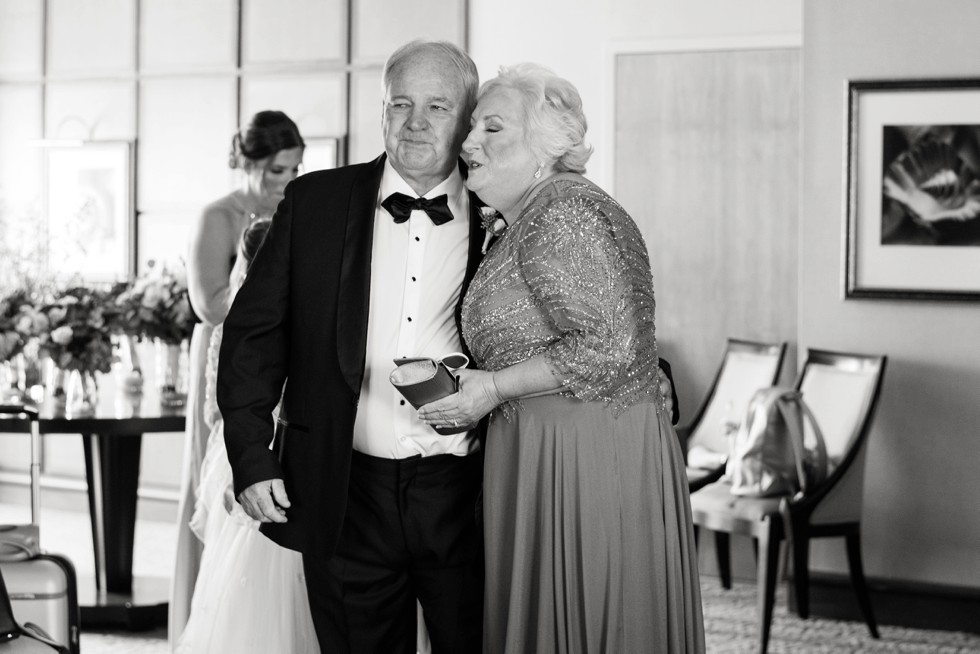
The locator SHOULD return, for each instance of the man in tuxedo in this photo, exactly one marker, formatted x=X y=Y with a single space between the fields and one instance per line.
x=355 y=272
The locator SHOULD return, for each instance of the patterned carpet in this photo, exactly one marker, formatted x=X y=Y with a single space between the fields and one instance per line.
x=730 y=620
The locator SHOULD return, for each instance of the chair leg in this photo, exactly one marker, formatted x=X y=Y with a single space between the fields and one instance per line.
x=768 y=569
x=857 y=579
x=801 y=572
x=723 y=557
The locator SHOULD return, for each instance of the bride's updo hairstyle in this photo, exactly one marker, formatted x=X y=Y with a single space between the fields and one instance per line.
x=266 y=134
x=553 y=116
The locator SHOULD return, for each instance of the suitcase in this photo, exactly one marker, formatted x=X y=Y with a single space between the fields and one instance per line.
x=42 y=587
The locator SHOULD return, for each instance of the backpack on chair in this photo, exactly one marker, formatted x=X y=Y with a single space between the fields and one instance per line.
x=769 y=456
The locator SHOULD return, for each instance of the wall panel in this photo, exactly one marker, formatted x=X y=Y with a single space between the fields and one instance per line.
x=707 y=151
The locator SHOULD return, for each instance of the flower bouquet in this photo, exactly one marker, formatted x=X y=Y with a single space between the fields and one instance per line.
x=20 y=325
x=77 y=338
x=156 y=306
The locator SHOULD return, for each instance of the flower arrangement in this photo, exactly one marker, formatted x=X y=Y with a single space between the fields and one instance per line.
x=77 y=335
x=156 y=305
x=19 y=323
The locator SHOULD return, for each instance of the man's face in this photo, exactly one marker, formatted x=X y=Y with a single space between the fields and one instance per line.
x=423 y=121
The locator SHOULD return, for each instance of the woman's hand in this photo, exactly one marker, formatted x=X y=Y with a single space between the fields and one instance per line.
x=477 y=396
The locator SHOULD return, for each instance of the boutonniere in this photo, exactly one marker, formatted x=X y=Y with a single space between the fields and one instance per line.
x=493 y=223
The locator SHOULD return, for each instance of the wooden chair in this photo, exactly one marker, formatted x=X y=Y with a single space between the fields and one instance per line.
x=745 y=367
x=842 y=390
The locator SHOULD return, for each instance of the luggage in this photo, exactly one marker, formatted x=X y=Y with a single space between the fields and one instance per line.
x=41 y=586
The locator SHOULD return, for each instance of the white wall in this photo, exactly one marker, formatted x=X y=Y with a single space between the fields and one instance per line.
x=575 y=38
x=922 y=520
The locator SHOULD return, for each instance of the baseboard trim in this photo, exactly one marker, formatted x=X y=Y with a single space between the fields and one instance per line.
x=897 y=603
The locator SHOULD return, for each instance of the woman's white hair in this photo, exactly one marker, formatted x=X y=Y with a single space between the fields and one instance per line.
x=554 y=122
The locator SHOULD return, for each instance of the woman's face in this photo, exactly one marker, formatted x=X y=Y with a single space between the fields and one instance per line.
x=268 y=178
x=501 y=167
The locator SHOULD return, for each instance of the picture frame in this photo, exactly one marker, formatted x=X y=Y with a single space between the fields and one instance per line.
x=912 y=176
x=88 y=211
x=322 y=153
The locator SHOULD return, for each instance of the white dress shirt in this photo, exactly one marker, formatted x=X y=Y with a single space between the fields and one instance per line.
x=417 y=271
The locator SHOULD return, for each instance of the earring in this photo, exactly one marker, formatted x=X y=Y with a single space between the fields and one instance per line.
x=537 y=173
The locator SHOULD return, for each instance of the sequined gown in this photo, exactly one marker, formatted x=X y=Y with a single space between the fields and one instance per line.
x=589 y=539
x=250 y=595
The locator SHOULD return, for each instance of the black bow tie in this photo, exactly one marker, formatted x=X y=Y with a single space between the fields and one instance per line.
x=400 y=206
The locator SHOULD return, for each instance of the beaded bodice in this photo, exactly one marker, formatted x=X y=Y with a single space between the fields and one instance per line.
x=570 y=280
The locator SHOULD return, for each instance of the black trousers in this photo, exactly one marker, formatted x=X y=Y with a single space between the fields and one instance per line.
x=411 y=531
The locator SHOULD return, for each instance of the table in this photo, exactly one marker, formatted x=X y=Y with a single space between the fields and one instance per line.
x=112 y=439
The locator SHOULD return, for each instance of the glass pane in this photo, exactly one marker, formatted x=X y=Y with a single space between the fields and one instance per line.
x=90 y=110
x=91 y=37
x=374 y=40
x=312 y=30
x=316 y=101
x=20 y=37
x=188 y=33
x=366 y=142
x=184 y=148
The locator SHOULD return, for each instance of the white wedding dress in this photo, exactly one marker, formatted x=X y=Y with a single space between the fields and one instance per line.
x=250 y=595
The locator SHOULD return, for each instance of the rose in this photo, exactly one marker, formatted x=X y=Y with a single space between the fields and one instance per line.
x=57 y=314
x=152 y=296
x=62 y=335
x=494 y=223
x=9 y=342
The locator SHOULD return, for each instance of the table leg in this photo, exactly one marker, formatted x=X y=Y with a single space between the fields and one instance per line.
x=112 y=465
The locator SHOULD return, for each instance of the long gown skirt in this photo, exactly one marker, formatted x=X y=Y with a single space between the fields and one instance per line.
x=589 y=539
x=189 y=548
x=250 y=596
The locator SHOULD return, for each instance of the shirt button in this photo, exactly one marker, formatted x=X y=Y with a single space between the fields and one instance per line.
x=417 y=238
x=409 y=319
x=413 y=279
x=401 y=402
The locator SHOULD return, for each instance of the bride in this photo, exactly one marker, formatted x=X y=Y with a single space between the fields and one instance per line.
x=245 y=580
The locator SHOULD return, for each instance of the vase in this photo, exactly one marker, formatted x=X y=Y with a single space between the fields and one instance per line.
x=133 y=370
x=171 y=372
x=10 y=391
x=59 y=386
x=82 y=394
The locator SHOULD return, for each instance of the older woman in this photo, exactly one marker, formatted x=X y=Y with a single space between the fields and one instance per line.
x=589 y=540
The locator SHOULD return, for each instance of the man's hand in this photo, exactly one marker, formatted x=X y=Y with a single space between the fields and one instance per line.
x=265 y=501
x=666 y=390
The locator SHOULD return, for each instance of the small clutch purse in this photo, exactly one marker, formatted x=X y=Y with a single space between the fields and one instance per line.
x=422 y=380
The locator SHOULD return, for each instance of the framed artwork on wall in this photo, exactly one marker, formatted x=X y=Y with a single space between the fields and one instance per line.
x=88 y=210
x=321 y=153
x=912 y=179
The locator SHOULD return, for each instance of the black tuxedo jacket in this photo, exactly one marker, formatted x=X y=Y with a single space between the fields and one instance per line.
x=300 y=319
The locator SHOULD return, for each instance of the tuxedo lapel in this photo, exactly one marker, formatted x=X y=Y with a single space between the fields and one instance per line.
x=355 y=275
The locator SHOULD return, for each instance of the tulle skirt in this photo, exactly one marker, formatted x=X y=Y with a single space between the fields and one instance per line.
x=250 y=596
